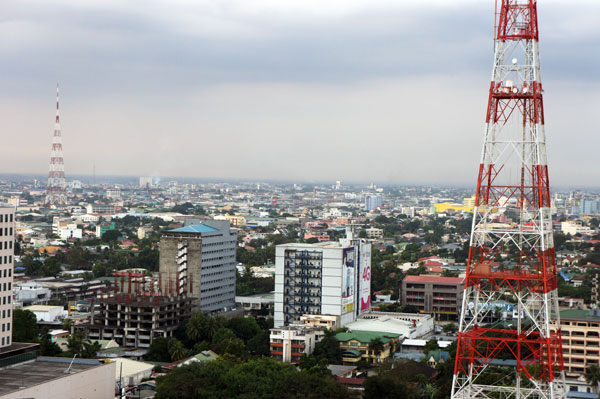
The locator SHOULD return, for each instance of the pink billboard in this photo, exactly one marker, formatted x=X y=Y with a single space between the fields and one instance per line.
x=365 y=277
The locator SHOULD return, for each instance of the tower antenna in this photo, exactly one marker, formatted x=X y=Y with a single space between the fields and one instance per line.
x=512 y=261
x=55 y=191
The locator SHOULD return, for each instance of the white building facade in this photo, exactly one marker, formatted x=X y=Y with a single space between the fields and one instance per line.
x=329 y=278
x=7 y=242
x=288 y=344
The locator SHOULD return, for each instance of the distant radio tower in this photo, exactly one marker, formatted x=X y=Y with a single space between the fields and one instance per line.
x=55 y=194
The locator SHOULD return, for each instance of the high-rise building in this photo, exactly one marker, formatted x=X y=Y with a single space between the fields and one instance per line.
x=441 y=296
x=7 y=242
x=56 y=194
x=146 y=182
x=372 y=202
x=201 y=259
x=328 y=278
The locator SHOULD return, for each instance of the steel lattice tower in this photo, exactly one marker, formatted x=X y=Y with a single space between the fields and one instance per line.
x=55 y=190
x=511 y=255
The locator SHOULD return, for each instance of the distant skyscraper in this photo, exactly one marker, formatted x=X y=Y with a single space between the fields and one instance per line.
x=372 y=202
x=56 y=194
x=7 y=242
x=146 y=182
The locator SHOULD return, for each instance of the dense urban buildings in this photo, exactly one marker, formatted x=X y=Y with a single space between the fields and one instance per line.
x=73 y=264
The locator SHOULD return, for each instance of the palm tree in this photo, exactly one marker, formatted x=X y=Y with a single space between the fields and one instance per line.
x=592 y=375
x=376 y=346
x=176 y=350
x=90 y=349
x=75 y=342
x=196 y=327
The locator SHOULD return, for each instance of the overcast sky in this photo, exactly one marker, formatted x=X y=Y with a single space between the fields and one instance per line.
x=370 y=90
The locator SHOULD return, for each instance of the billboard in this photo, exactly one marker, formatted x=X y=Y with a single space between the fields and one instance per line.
x=365 y=277
x=348 y=265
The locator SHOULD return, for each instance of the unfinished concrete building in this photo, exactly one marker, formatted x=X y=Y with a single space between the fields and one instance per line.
x=140 y=309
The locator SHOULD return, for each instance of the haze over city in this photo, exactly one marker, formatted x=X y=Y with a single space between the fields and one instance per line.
x=387 y=91
x=352 y=199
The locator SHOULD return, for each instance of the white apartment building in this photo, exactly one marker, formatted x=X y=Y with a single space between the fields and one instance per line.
x=575 y=227
x=374 y=233
x=113 y=193
x=100 y=208
x=327 y=278
x=289 y=343
x=7 y=242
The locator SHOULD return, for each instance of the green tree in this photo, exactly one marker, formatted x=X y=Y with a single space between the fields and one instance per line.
x=176 y=350
x=592 y=375
x=196 y=328
x=328 y=348
x=25 y=327
x=377 y=387
x=75 y=342
x=159 y=350
x=376 y=346
x=259 y=345
x=244 y=327
x=47 y=347
x=110 y=236
x=263 y=378
x=90 y=349
x=431 y=345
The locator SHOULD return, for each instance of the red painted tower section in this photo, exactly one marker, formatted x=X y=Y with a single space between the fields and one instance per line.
x=511 y=265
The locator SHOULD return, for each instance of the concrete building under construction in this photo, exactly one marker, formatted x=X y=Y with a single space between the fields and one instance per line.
x=139 y=309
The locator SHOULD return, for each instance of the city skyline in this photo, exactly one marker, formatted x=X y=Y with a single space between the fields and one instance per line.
x=384 y=96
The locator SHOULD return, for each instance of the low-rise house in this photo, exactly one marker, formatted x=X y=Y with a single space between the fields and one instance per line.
x=372 y=347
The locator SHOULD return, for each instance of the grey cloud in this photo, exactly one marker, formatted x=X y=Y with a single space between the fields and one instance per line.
x=392 y=93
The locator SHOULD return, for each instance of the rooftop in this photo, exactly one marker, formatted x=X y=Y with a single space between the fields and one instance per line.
x=434 y=279
x=42 y=308
x=197 y=228
x=25 y=375
x=365 y=336
x=579 y=314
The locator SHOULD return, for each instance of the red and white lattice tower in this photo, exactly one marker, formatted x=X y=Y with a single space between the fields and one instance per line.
x=55 y=190
x=511 y=255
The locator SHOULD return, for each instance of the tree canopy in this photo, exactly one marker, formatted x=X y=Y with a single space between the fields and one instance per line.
x=263 y=378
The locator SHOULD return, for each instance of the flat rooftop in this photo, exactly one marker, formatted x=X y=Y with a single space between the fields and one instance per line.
x=43 y=369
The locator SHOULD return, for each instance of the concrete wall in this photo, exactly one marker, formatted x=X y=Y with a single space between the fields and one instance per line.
x=168 y=263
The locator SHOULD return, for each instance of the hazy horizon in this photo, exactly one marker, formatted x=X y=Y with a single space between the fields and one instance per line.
x=392 y=92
